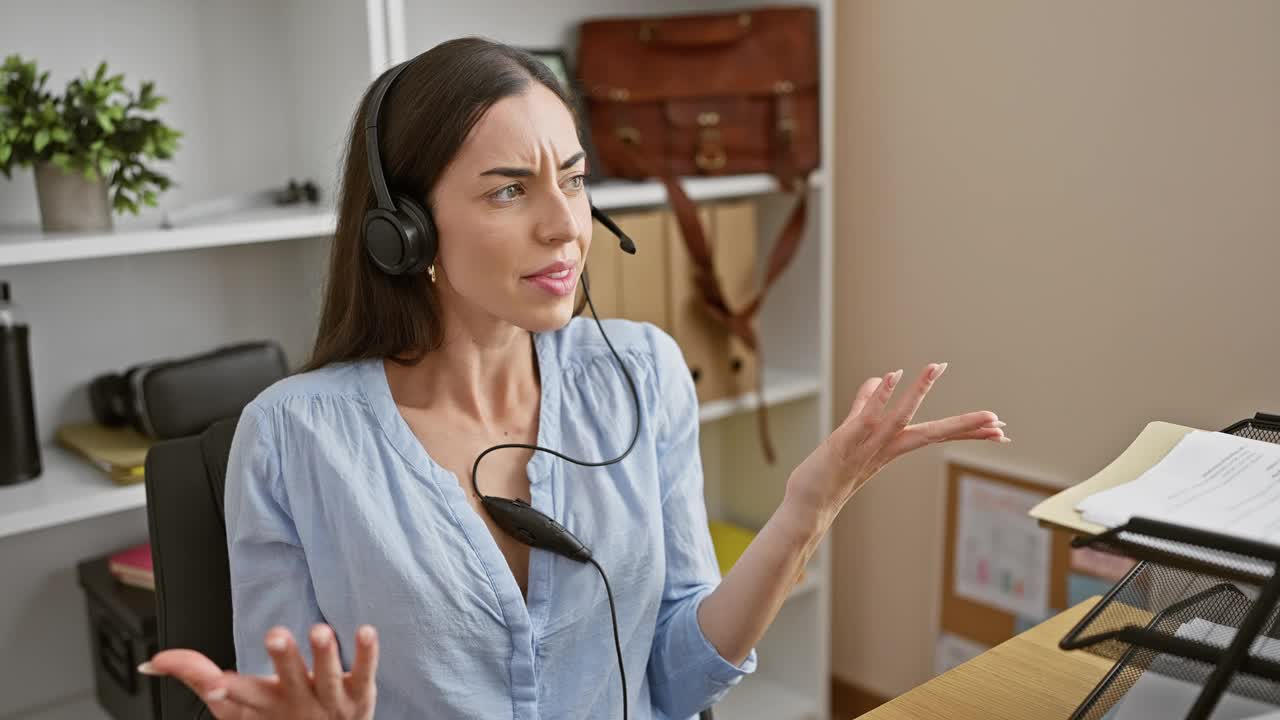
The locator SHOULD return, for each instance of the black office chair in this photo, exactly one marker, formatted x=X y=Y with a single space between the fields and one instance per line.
x=185 y=480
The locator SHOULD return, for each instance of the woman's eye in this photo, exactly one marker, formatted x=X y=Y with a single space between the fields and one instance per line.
x=507 y=194
x=575 y=182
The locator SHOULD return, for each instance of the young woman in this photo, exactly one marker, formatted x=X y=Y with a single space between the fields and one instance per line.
x=354 y=496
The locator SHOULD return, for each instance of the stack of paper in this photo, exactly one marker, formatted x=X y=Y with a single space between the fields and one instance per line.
x=1213 y=481
x=1209 y=480
x=1155 y=441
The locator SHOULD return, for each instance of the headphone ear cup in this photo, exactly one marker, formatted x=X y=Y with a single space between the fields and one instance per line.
x=400 y=242
x=420 y=241
x=107 y=400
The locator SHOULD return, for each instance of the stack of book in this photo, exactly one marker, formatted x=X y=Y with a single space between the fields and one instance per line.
x=132 y=567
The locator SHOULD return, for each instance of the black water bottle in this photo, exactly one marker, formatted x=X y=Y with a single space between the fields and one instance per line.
x=19 y=441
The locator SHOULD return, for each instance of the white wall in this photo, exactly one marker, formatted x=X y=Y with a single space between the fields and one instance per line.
x=1073 y=203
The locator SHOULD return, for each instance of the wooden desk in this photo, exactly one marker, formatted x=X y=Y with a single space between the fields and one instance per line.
x=1024 y=677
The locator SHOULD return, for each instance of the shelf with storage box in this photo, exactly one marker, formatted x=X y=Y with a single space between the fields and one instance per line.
x=29 y=246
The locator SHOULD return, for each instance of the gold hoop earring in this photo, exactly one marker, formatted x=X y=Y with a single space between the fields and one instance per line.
x=431 y=272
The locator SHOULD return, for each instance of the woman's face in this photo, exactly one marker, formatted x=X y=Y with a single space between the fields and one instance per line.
x=513 y=217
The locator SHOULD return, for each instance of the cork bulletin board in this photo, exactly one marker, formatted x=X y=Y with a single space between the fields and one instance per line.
x=1002 y=572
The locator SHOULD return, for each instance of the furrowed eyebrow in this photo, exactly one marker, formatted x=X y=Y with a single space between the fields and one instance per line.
x=514 y=172
x=573 y=159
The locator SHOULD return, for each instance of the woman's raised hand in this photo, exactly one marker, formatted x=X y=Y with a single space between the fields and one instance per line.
x=292 y=692
x=875 y=433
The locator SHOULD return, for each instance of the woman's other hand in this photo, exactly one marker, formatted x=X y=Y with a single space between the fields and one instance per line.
x=872 y=435
x=293 y=691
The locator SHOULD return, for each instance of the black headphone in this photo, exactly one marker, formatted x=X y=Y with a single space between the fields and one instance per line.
x=399 y=235
x=400 y=238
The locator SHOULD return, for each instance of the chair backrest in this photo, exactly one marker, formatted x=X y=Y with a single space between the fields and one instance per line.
x=185 y=479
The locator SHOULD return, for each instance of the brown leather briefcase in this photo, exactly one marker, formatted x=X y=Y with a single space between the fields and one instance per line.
x=711 y=94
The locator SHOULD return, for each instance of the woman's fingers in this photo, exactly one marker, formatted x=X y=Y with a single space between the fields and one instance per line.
x=983 y=425
x=189 y=667
x=864 y=393
x=327 y=667
x=985 y=434
x=361 y=682
x=900 y=416
x=203 y=676
x=290 y=666
x=884 y=391
x=251 y=692
x=223 y=708
x=869 y=416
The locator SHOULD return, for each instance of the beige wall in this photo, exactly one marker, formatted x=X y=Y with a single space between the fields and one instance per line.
x=1077 y=205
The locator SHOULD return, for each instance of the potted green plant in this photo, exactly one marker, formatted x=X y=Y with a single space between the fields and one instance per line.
x=90 y=146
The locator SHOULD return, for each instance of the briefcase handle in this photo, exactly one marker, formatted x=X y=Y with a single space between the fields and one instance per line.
x=695 y=32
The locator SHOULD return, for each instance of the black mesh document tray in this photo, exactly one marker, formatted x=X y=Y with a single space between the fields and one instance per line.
x=1200 y=606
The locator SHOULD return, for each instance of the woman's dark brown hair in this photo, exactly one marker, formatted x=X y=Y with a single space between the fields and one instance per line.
x=425 y=118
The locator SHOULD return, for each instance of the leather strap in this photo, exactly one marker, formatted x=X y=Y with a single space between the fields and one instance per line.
x=740 y=322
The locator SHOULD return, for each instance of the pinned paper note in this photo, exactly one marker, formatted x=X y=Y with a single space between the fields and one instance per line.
x=1002 y=554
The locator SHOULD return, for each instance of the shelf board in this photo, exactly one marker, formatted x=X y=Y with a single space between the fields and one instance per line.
x=757 y=698
x=69 y=489
x=619 y=194
x=781 y=386
x=29 y=246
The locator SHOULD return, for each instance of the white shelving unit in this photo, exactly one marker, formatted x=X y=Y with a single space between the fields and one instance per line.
x=264 y=91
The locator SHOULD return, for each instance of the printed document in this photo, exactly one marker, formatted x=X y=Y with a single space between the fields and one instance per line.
x=1226 y=483
x=1209 y=480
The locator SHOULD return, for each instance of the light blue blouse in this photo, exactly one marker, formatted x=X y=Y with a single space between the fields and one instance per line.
x=336 y=513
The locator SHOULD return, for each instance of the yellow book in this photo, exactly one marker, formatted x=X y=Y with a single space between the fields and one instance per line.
x=730 y=541
x=119 y=452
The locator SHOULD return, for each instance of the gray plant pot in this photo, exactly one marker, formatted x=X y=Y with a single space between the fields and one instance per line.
x=69 y=202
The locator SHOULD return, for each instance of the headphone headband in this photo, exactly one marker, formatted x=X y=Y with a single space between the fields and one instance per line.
x=372 y=149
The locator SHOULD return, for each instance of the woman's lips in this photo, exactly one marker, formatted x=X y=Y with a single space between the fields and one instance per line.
x=558 y=284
